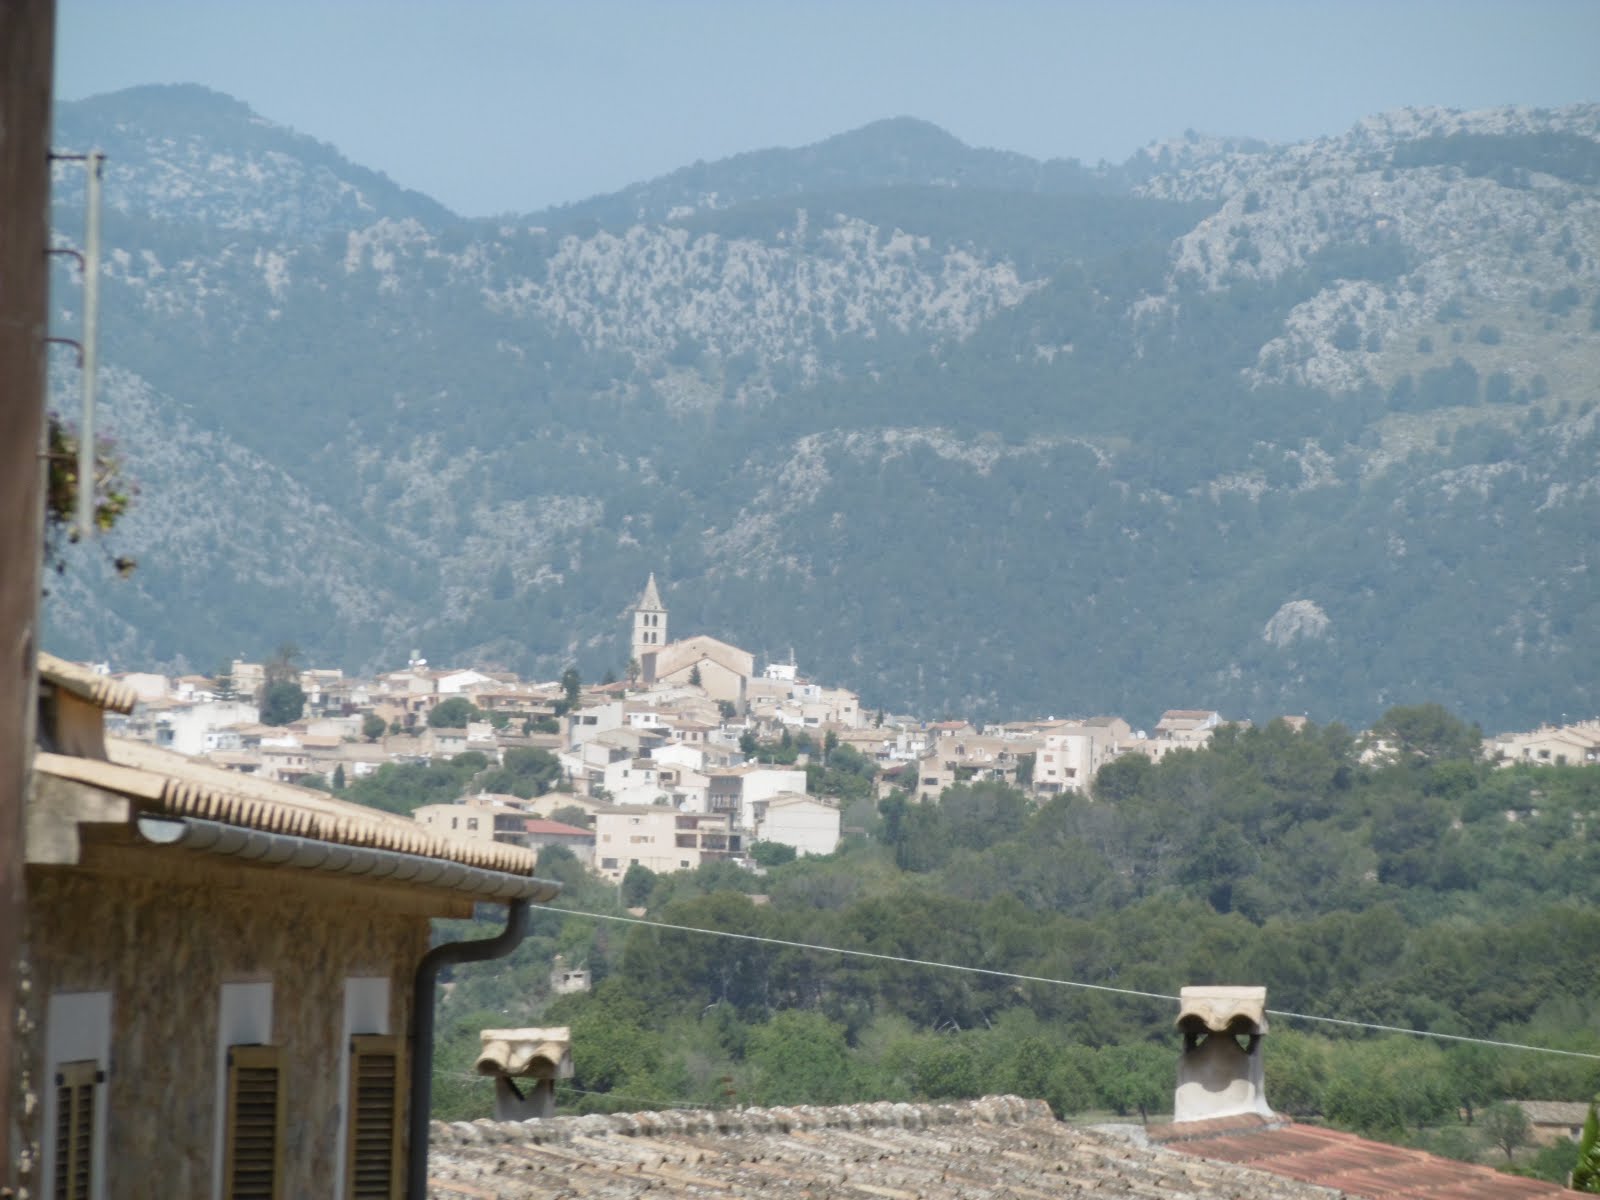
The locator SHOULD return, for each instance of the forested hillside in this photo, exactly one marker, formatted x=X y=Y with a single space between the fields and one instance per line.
x=1426 y=890
x=1261 y=428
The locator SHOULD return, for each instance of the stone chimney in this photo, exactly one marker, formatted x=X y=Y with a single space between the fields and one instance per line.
x=541 y=1055
x=1220 y=1073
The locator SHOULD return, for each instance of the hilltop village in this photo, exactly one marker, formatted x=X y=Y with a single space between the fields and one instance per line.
x=695 y=757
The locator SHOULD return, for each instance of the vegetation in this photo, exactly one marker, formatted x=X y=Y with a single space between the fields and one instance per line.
x=1394 y=890
x=282 y=701
x=454 y=713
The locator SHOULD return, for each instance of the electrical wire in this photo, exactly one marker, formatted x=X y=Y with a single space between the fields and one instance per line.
x=1070 y=983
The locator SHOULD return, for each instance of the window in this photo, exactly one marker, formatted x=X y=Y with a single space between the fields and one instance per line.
x=372 y=1148
x=244 y=1024
x=73 y=1159
x=78 y=1052
x=472 y=822
x=252 y=1141
x=608 y=864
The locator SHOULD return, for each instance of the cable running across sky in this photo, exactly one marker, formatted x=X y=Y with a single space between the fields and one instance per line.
x=1071 y=983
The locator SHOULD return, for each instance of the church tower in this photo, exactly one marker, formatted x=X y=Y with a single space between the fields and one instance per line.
x=649 y=630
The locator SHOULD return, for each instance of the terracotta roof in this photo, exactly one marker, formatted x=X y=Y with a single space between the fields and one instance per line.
x=1351 y=1164
x=99 y=690
x=538 y=825
x=160 y=781
x=994 y=1147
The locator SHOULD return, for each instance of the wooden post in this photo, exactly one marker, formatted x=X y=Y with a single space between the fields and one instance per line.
x=27 y=52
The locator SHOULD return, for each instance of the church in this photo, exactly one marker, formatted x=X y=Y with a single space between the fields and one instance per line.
x=723 y=671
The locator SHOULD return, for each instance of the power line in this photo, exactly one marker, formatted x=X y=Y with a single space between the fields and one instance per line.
x=1071 y=983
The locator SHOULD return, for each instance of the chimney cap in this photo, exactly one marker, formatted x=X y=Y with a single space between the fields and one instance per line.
x=1222 y=1009
x=540 y=1053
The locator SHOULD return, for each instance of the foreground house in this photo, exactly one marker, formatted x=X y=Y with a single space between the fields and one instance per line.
x=233 y=988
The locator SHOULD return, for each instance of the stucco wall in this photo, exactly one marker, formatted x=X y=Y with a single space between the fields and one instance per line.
x=164 y=949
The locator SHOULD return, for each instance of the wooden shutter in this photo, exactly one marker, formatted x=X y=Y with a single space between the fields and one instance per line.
x=372 y=1154
x=252 y=1165
x=74 y=1142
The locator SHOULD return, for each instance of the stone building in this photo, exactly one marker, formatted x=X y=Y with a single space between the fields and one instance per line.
x=224 y=969
x=722 y=671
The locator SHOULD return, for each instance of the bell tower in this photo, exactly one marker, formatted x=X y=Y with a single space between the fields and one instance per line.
x=649 y=630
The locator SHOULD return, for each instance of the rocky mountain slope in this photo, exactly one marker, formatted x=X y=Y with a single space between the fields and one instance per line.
x=1264 y=428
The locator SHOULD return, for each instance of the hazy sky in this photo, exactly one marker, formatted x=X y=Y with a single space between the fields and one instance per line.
x=508 y=105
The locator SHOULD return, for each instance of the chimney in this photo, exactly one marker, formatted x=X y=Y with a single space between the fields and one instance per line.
x=1220 y=1072
x=542 y=1055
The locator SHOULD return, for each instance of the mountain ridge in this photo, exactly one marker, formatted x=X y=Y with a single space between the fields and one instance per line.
x=833 y=418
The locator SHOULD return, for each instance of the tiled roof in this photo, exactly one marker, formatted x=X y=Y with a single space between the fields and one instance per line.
x=170 y=784
x=1353 y=1165
x=538 y=825
x=1554 y=1112
x=81 y=681
x=1000 y=1146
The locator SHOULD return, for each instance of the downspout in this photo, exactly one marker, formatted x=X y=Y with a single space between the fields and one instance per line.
x=422 y=1012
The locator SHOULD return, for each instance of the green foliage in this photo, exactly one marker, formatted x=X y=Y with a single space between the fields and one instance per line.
x=772 y=854
x=1586 y=1171
x=402 y=787
x=526 y=772
x=113 y=493
x=372 y=727
x=1507 y=1126
x=453 y=713
x=282 y=702
x=1429 y=731
x=800 y=1058
x=636 y=884
x=1137 y=1078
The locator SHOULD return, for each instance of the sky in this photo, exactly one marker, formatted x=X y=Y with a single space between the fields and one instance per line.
x=495 y=106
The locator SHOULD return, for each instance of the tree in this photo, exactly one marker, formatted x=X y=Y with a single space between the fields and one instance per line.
x=633 y=670
x=694 y=675
x=571 y=814
x=636 y=884
x=526 y=772
x=772 y=854
x=372 y=727
x=1586 y=1175
x=283 y=664
x=1506 y=1126
x=453 y=713
x=571 y=686
x=1135 y=1078
x=281 y=702
x=800 y=1058
x=338 y=778
x=223 y=686
x=1430 y=732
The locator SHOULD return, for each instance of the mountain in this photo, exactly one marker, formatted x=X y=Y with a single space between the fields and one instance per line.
x=1266 y=428
x=184 y=153
x=897 y=152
